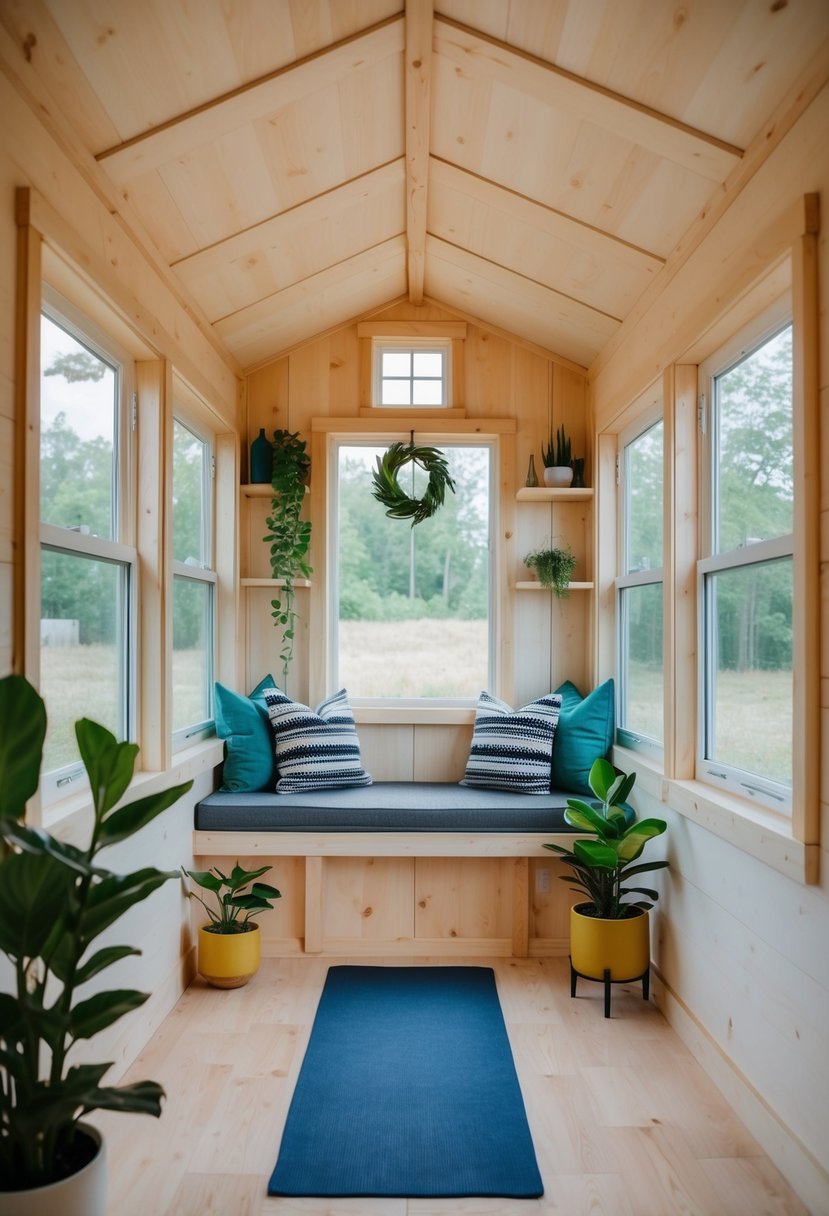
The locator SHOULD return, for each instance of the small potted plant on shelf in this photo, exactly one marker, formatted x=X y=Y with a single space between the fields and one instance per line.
x=556 y=454
x=229 y=945
x=554 y=568
x=55 y=900
x=609 y=934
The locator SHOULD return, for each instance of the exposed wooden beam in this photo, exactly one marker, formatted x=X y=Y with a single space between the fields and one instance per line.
x=419 y=19
x=275 y=231
x=252 y=101
x=281 y=321
x=460 y=277
x=481 y=56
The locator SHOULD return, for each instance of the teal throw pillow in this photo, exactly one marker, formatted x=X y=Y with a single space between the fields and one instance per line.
x=243 y=724
x=585 y=731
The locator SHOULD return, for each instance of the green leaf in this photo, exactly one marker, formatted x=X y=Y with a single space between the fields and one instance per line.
x=109 y=764
x=265 y=890
x=240 y=878
x=140 y=1098
x=637 y=836
x=629 y=871
x=601 y=778
x=135 y=815
x=596 y=853
x=100 y=960
x=206 y=879
x=249 y=902
x=34 y=897
x=114 y=895
x=22 y=731
x=40 y=843
x=580 y=815
x=89 y=1017
x=649 y=891
x=620 y=789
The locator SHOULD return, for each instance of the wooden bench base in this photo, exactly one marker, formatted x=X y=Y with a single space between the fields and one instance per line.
x=427 y=889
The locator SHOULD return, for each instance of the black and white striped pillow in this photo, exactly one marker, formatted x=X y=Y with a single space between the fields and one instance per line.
x=512 y=749
x=316 y=749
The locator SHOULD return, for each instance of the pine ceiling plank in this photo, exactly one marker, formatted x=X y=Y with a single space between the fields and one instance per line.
x=298 y=243
x=516 y=304
x=419 y=18
x=251 y=102
x=331 y=297
x=477 y=55
x=370 y=127
x=537 y=241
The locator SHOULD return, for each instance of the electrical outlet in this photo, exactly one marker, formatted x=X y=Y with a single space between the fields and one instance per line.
x=542 y=881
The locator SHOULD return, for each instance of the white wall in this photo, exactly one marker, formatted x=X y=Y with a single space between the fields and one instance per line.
x=741 y=948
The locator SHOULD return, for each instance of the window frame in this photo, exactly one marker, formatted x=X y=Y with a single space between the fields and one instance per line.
x=203 y=573
x=732 y=780
x=119 y=550
x=411 y=345
x=650 y=415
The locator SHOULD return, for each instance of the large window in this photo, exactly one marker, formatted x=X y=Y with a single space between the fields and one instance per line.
x=412 y=609
x=745 y=574
x=87 y=563
x=193 y=584
x=639 y=588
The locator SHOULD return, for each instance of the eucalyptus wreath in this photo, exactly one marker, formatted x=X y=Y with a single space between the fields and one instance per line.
x=388 y=491
x=289 y=536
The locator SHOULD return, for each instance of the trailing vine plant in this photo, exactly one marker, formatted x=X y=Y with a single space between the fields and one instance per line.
x=289 y=536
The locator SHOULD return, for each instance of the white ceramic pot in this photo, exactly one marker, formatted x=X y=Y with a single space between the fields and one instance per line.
x=558 y=476
x=82 y=1194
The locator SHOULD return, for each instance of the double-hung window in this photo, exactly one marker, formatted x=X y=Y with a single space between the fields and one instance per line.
x=412 y=610
x=639 y=589
x=87 y=554
x=194 y=580
x=745 y=571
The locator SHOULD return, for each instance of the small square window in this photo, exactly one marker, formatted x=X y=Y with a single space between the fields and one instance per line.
x=411 y=373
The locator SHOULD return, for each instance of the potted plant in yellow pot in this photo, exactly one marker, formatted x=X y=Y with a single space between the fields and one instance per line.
x=229 y=944
x=609 y=934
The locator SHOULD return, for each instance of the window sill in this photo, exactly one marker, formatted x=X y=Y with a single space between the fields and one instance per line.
x=69 y=819
x=755 y=831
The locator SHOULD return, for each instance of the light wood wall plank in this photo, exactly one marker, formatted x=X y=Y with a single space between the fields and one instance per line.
x=418 y=112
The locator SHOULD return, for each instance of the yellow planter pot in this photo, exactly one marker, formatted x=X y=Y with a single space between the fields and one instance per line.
x=228 y=960
x=620 y=946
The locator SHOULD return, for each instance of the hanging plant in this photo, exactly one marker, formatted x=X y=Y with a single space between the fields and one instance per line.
x=554 y=568
x=388 y=491
x=289 y=536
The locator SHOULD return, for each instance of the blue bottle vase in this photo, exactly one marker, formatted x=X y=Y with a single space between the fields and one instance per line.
x=261 y=458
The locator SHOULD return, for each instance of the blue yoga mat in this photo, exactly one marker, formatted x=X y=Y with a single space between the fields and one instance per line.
x=408 y=1088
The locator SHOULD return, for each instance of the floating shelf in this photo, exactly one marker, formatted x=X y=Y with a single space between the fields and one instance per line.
x=273 y=582
x=262 y=489
x=552 y=494
x=534 y=585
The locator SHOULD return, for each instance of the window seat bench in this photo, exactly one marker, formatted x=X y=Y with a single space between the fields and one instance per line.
x=401 y=819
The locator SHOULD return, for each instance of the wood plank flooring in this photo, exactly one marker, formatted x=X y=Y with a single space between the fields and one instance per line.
x=625 y=1123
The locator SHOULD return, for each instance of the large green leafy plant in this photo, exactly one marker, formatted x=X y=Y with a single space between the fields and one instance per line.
x=602 y=867
x=289 y=536
x=55 y=901
x=239 y=897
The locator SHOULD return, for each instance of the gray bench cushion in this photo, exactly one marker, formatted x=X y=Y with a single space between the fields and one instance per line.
x=387 y=806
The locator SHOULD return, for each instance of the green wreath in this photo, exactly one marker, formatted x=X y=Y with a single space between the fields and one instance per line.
x=388 y=491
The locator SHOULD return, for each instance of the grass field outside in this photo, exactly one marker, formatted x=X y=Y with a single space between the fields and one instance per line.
x=426 y=658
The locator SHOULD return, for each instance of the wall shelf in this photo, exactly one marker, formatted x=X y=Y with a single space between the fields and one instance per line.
x=272 y=582
x=534 y=585
x=552 y=494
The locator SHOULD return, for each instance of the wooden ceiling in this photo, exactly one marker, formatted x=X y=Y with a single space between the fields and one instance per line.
x=532 y=163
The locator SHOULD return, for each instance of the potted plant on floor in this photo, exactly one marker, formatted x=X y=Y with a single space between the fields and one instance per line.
x=609 y=934
x=55 y=901
x=554 y=568
x=229 y=945
x=556 y=454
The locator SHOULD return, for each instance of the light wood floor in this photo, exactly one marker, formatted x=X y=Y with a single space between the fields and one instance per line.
x=624 y=1121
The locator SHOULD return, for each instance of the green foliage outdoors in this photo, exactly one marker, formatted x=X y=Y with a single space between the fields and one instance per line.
x=599 y=867
x=55 y=901
x=438 y=570
x=225 y=918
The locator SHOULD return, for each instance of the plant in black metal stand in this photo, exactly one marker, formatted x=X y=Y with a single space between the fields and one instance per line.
x=289 y=536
